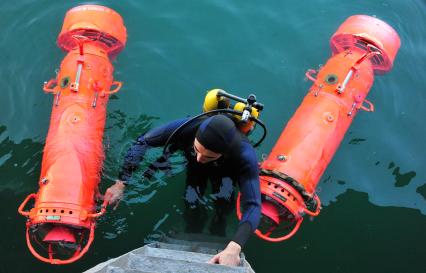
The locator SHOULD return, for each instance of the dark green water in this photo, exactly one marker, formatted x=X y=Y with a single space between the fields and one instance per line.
x=374 y=191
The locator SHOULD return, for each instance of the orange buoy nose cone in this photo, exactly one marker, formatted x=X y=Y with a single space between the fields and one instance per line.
x=60 y=234
x=271 y=211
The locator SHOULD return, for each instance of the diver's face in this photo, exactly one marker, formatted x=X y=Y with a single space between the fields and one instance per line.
x=203 y=154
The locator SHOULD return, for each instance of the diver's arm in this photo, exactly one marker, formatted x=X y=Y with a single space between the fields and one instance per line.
x=251 y=206
x=153 y=138
x=250 y=201
x=250 y=195
x=132 y=159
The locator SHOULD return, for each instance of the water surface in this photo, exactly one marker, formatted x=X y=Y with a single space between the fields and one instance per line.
x=374 y=190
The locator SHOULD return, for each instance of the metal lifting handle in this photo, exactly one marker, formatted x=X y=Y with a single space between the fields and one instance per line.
x=24 y=203
x=342 y=87
x=309 y=73
x=115 y=90
x=369 y=108
x=354 y=68
x=80 y=61
x=50 y=86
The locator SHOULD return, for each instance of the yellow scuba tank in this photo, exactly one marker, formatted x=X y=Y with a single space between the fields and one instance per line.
x=248 y=126
x=249 y=108
x=214 y=100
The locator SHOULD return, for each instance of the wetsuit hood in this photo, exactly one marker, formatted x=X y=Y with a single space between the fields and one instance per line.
x=218 y=134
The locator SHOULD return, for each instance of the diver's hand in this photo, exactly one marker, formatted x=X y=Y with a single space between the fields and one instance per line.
x=229 y=256
x=114 y=194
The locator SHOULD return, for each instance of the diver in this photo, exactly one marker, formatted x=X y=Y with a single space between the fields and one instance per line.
x=216 y=151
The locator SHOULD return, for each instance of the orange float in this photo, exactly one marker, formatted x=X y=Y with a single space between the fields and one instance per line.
x=62 y=221
x=362 y=46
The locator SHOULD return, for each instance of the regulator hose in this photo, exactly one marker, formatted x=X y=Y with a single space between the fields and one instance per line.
x=216 y=111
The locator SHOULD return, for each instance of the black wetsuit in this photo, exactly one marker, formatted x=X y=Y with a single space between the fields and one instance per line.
x=240 y=165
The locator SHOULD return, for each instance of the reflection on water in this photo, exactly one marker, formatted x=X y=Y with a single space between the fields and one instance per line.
x=356 y=141
x=350 y=235
x=401 y=179
x=19 y=163
x=360 y=165
x=422 y=190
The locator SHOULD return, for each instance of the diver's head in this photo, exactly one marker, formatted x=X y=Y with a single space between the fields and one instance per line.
x=203 y=154
x=215 y=137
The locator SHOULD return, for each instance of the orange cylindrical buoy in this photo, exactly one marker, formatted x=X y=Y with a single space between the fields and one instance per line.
x=361 y=47
x=61 y=224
